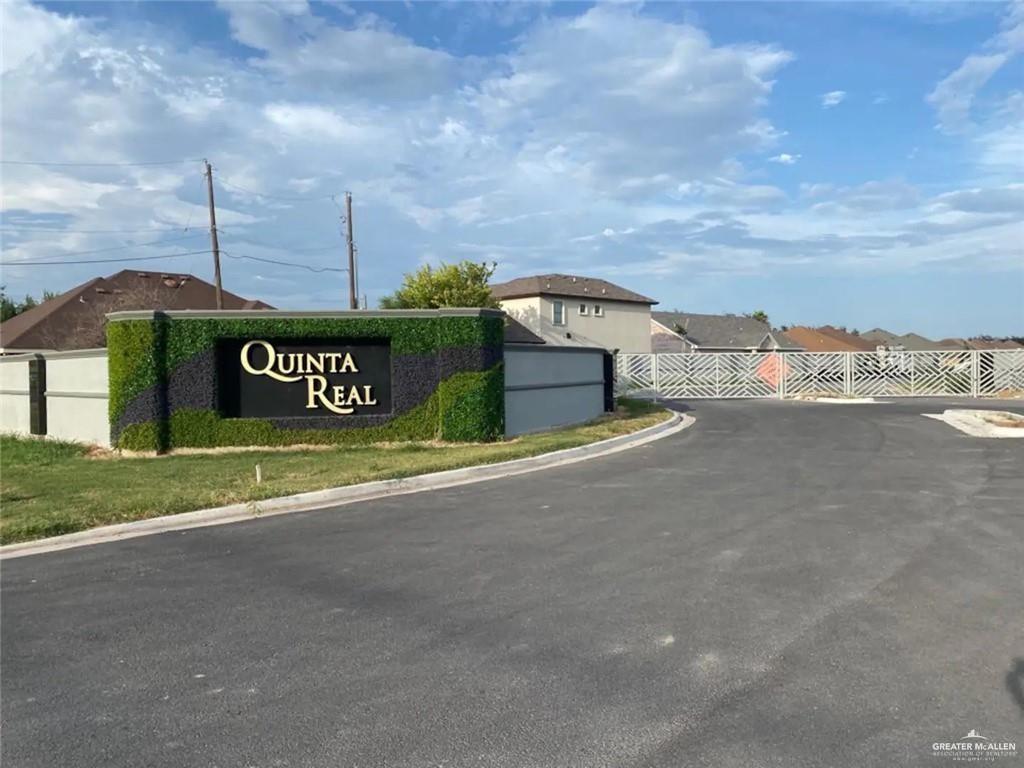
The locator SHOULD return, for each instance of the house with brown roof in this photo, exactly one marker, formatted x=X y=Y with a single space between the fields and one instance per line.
x=829 y=339
x=907 y=342
x=994 y=344
x=692 y=332
x=979 y=344
x=76 y=319
x=579 y=311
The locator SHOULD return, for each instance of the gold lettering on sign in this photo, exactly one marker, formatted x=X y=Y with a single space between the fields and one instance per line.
x=294 y=366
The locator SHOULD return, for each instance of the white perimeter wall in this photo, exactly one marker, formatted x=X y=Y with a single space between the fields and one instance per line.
x=549 y=386
x=76 y=395
x=14 y=403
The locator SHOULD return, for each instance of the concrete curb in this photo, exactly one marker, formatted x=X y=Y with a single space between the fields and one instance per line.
x=836 y=400
x=970 y=422
x=350 y=494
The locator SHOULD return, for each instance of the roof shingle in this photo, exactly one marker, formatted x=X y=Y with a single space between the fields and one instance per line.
x=718 y=331
x=828 y=339
x=566 y=285
x=76 y=319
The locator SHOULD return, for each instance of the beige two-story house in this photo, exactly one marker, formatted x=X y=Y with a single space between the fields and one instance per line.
x=584 y=311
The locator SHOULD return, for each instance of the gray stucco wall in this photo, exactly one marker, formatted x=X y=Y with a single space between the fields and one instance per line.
x=549 y=386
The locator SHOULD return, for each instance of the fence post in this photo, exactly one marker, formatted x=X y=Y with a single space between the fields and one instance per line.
x=37 y=395
x=975 y=374
x=780 y=375
x=848 y=373
x=654 y=374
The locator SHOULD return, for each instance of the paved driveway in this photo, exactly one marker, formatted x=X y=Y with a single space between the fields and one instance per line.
x=783 y=584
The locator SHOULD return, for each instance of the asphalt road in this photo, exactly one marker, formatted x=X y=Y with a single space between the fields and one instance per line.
x=782 y=584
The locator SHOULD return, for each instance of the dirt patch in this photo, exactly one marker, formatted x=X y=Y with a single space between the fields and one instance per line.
x=1004 y=419
x=99 y=452
x=1010 y=394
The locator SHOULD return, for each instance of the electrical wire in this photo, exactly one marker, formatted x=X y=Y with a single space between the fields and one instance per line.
x=135 y=245
x=9 y=227
x=221 y=180
x=97 y=261
x=97 y=165
x=286 y=247
x=284 y=263
x=247 y=257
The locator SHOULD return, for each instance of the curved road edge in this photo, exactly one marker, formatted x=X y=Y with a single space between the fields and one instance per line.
x=349 y=494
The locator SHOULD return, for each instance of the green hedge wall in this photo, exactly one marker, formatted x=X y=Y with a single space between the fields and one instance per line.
x=144 y=353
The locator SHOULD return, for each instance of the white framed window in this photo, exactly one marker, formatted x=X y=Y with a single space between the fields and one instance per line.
x=558 y=313
x=583 y=309
x=598 y=310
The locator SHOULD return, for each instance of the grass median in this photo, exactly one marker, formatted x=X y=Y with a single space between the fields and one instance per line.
x=48 y=488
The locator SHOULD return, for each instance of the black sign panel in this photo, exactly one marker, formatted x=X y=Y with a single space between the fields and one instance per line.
x=302 y=377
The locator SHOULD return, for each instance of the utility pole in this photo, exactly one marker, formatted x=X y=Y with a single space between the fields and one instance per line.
x=214 y=245
x=353 y=299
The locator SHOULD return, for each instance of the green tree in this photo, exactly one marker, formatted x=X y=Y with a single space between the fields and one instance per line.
x=760 y=315
x=9 y=307
x=451 y=285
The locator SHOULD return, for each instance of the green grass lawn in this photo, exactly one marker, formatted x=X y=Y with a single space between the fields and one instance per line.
x=48 y=488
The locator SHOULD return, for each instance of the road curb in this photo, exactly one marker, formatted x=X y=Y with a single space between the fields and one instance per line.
x=970 y=422
x=349 y=494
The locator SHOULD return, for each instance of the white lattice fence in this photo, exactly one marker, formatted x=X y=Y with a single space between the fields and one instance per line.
x=747 y=375
x=634 y=373
x=815 y=373
x=1000 y=373
x=790 y=374
x=942 y=373
x=880 y=374
x=689 y=374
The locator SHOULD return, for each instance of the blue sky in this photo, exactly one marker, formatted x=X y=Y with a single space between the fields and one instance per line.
x=855 y=164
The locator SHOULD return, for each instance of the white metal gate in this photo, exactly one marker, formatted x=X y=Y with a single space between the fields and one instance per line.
x=977 y=373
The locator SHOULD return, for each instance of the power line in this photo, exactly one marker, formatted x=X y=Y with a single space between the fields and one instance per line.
x=18 y=228
x=231 y=185
x=135 y=245
x=285 y=246
x=97 y=261
x=294 y=264
x=308 y=267
x=97 y=165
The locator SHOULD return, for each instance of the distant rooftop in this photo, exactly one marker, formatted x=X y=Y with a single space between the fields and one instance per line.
x=718 y=331
x=567 y=285
x=76 y=319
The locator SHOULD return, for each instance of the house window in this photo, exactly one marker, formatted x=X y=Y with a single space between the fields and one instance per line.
x=583 y=309
x=598 y=310
x=557 y=313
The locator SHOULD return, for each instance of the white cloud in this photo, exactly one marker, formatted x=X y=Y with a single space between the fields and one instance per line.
x=630 y=161
x=953 y=96
x=999 y=142
x=38 y=33
x=636 y=87
x=310 y=122
x=367 y=59
x=832 y=99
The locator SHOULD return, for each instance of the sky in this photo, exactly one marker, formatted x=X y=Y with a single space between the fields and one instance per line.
x=859 y=164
